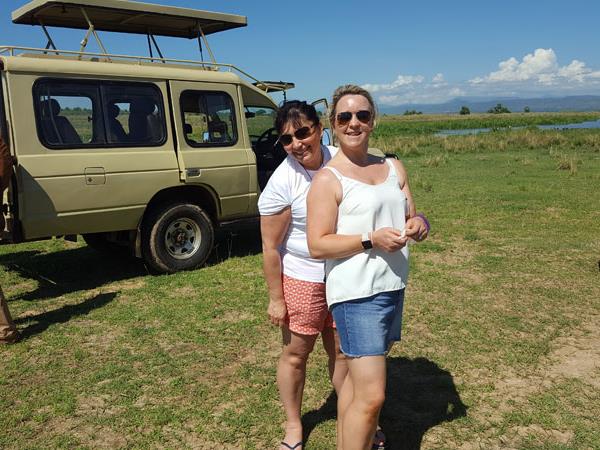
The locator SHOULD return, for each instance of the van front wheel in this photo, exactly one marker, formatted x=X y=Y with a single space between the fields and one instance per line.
x=177 y=237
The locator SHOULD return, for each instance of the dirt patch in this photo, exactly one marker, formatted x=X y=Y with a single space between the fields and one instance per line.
x=88 y=435
x=98 y=406
x=576 y=355
x=126 y=285
x=458 y=256
x=235 y=316
x=184 y=292
x=189 y=438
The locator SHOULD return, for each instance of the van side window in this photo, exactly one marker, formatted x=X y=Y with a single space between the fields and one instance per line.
x=133 y=115
x=81 y=113
x=208 y=118
x=66 y=114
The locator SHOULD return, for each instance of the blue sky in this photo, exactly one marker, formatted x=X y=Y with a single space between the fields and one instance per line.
x=403 y=52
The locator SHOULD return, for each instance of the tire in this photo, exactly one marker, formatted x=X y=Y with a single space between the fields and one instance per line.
x=177 y=236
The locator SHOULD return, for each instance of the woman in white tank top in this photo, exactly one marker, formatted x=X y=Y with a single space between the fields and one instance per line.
x=360 y=217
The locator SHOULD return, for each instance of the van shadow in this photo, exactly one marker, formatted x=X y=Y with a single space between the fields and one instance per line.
x=420 y=395
x=236 y=241
x=66 y=271
x=77 y=269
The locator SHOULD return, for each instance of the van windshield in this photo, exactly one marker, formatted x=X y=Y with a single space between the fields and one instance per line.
x=259 y=119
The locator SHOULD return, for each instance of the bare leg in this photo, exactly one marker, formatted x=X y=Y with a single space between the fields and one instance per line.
x=291 y=373
x=345 y=396
x=337 y=364
x=367 y=376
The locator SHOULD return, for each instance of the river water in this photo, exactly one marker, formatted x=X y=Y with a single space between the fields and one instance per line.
x=568 y=126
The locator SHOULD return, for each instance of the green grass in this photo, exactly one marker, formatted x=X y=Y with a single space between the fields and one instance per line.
x=392 y=126
x=501 y=323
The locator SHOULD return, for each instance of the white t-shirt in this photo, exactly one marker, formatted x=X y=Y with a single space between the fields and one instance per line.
x=288 y=187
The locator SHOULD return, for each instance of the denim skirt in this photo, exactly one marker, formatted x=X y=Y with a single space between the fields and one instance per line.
x=368 y=326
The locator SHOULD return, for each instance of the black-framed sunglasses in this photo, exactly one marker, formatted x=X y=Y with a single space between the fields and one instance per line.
x=344 y=118
x=300 y=134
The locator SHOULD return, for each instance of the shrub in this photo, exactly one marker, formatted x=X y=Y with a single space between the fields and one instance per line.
x=499 y=109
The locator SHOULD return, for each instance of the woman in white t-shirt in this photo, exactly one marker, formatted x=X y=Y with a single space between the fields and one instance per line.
x=295 y=280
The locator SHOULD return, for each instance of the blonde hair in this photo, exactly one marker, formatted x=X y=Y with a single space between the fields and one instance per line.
x=350 y=89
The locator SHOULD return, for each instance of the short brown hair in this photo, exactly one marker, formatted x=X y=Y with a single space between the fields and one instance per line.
x=349 y=89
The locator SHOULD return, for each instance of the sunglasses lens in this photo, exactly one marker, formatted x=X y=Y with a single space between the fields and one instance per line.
x=302 y=133
x=364 y=116
x=344 y=117
x=285 y=139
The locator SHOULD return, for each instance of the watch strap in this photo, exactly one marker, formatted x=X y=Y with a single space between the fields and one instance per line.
x=366 y=241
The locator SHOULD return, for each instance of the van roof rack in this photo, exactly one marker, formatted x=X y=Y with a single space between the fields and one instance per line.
x=126 y=17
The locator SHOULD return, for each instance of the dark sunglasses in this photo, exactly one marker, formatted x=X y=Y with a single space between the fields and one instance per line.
x=344 y=118
x=300 y=134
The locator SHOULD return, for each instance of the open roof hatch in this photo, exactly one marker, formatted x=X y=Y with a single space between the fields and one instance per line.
x=125 y=16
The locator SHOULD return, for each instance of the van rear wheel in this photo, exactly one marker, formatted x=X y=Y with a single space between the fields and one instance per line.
x=177 y=236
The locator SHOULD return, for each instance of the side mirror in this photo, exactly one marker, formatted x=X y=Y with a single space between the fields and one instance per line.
x=249 y=114
x=326 y=138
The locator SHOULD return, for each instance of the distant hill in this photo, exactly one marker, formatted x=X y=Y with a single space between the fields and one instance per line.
x=550 y=104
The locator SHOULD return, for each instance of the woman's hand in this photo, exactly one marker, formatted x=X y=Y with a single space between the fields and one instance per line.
x=388 y=239
x=416 y=229
x=277 y=312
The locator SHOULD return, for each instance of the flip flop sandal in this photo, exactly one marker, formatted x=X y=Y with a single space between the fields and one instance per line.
x=290 y=446
x=379 y=441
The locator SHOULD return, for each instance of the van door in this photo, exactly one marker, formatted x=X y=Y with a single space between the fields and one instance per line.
x=322 y=107
x=4 y=198
x=91 y=152
x=214 y=149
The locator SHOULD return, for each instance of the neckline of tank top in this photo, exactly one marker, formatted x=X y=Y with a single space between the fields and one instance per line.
x=391 y=171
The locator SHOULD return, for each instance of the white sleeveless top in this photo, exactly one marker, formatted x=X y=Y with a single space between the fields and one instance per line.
x=365 y=208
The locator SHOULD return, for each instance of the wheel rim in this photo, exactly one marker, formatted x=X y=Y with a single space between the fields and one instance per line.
x=182 y=238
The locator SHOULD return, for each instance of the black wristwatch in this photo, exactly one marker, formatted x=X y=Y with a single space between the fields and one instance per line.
x=366 y=241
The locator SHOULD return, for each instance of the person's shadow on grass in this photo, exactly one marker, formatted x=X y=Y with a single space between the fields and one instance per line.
x=40 y=322
x=419 y=396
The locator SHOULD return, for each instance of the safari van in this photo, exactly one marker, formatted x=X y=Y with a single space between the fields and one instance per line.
x=144 y=151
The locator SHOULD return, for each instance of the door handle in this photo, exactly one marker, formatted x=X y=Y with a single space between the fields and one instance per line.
x=193 y=172
x=94 y=175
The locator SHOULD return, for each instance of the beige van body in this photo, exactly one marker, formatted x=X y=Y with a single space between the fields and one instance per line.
x=149 y=152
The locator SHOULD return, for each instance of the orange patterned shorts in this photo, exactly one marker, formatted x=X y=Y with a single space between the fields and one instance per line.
x=306 y=306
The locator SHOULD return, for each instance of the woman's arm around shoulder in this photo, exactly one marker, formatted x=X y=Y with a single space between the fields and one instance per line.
x=322 y=202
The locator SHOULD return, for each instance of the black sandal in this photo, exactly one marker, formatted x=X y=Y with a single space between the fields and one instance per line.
x=290 y=447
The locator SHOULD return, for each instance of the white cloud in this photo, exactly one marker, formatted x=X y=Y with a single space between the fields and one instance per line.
x=536 y=74
x=402 y=80
x=540 y=67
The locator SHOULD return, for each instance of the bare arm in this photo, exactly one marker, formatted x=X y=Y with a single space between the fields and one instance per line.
x=322 y=202
x=415 y=227
x=404 y=186
x=273 y=229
